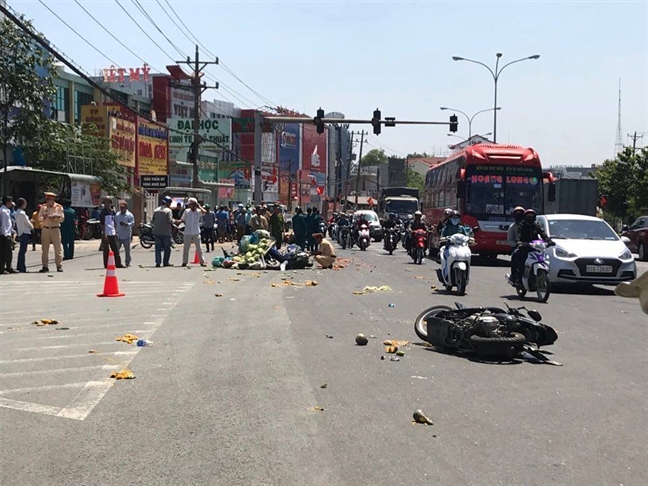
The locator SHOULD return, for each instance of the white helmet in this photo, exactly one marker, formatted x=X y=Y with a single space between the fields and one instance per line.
x=447 y=212
x=418 y=213
x=192 y=200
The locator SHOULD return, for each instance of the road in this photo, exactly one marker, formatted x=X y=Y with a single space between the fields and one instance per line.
x=226 y=394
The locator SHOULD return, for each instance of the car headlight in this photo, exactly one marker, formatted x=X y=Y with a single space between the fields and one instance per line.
x=626 y=255
x=560 y=253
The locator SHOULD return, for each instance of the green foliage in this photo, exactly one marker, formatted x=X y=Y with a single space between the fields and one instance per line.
x=374 y=157
x=415 y=180
x=624 y=182
x=416 y=155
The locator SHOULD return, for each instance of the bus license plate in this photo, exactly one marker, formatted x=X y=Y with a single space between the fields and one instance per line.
x=598 y=268
x=502 y=243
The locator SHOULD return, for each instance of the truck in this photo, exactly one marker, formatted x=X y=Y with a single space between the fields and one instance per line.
x=402 y=201
x=573 y=196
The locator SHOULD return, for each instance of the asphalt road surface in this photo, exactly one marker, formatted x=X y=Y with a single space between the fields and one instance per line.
x=227 y=394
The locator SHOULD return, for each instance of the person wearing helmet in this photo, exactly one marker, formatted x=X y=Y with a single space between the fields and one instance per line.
x=526 y=232
x=446 y=216
x=454 y=226
x=418 y=222
x=512 y=238
x=391 y=222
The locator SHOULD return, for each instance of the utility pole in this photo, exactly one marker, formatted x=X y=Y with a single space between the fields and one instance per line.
x=198 y=89
x=348 y=171
x=362 y=134
x=634 y=138
x=258 y=164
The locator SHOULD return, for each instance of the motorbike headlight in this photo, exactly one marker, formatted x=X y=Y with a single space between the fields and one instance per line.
x=560 y=253
x=626 y=255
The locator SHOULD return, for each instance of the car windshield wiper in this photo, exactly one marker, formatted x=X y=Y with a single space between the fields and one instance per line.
x=558 y=237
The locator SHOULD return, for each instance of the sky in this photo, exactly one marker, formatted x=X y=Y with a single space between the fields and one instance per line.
x=355 y=56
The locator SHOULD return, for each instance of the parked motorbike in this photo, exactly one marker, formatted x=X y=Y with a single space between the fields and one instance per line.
x=177 y=233
x=455 y=263
x=364 y=237
x=417 y=246
x=490 y=332
x=535 y=274
x=146 y=237
x=95 y=227
x=391 y=240
x=344 y=237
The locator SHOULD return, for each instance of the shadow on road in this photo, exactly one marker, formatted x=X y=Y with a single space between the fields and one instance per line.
x=582 y=290
x=468 y=356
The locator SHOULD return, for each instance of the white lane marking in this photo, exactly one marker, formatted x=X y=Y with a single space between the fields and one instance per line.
x=54 y=334
x=37 y=348
x=29 y=407
x=87 y=399
x=50 y=387
x=60 y=370
x=69 y=356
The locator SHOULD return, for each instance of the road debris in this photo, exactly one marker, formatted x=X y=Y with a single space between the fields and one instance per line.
x=316 y=409
x=391 y=305
x=125 y=374
x=400 y=353
x=311 y=283
x=234 y=279
x=324 y=385
x=328 y=336
x=396 y=342
x=371 y=289
x=127 y=338
x=45 y=322
x=361 y=340
x=391 y=349
x=394 y=358
x=62 y=328
x=92 y=351
x=420 y=418
x=419 y=377
x=218 y=295
x=434 y=287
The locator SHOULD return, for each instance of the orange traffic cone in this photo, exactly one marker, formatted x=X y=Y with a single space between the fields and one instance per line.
x=111 y=286
x=196 y=259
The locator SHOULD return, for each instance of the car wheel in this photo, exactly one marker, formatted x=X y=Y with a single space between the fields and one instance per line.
x=642 y=252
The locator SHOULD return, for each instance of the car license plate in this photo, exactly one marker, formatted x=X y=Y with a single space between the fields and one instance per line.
x=598 y=268
x=503 y=243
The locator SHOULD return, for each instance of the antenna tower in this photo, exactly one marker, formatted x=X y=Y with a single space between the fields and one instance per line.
x=618 y=145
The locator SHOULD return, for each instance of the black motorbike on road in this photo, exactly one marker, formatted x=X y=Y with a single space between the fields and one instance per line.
x=345 y=236
x=491 y=332
x=146 y=238
x=391 y=240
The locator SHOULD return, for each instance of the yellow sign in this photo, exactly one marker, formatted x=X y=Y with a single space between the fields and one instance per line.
x=97 y=115
x=152 y=149
x=122 y=140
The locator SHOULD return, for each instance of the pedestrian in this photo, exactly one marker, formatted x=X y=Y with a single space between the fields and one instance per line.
x=109 y=233
x=276 y=226
x=68 y=232
x=258 y=221
x=124 y=222
x=6 y=232
x=50 y=217
x=325 y=254
x=208 y=226
x=191 y=218
x=162 y=222
x=241 y=222
x=311 y=228
x=299 y=228
x=24 y=229
x=36 y=232
x=317 y=226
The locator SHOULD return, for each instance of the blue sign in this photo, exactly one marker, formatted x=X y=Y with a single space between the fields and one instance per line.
x=290 y=148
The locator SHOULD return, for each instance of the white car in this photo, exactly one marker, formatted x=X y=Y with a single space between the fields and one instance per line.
x=587 y=251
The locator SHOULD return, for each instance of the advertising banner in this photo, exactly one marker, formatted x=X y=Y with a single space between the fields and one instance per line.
x=85 y=195
x=97 y=115
x=226 y=193
x=290 y=148
x=305 y=187
x=216 y=133
x=238 y=172
x=314 y=149
x=122 y=140
x=152 y=149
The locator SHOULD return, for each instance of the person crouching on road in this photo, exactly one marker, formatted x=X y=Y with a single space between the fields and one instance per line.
x=325 y=254
x=191 y=218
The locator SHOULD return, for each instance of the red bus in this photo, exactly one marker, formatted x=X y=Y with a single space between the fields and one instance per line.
x=485 y=182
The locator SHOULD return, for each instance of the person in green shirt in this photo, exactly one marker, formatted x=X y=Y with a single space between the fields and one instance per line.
x=299 y=227
x=68 y=226
x=276 y=226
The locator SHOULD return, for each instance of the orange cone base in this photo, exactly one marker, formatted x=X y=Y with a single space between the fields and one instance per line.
x=111 y=295
x=196 y=260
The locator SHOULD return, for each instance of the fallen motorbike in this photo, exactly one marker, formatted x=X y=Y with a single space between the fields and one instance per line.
x=391 y=240
x=146 y=237
x=418 y=243
x=492 y=333
x=455 y=263
x=363 y=237
x=535 y=274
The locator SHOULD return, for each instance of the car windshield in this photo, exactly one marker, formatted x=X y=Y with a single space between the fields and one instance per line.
x=402 y=206
x=371 y=217
x=575 y=229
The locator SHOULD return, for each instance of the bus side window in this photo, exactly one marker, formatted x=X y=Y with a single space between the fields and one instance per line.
x=461 y=189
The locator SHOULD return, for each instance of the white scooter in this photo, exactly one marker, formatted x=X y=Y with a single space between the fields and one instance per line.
x=364 y=237
x=455 y=262
x=535 y=274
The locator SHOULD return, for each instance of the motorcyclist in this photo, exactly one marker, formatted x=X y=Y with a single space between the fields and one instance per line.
x=526 y=232
x=391 y=223
x=418 y=222
x=454 y=226
x=446 y=216
x=511 y=238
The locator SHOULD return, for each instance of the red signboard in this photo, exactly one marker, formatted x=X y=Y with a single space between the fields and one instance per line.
x=313 y=149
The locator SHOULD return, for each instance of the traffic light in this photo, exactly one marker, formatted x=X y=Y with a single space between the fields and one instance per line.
x=454 y=123
x=319 y=122
x=375 y=121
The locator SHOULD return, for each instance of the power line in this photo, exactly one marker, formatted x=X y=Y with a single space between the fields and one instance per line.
x=143 y=10
x=142 y=29
x=180 y=28
x=72 y=29
x=266 y=100
x=187 y=28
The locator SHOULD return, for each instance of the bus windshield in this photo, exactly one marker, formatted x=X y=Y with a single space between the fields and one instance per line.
x=403 y=206
x=493 y=191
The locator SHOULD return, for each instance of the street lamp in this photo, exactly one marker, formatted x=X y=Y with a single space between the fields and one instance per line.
x=470 y=118
x=496 y=73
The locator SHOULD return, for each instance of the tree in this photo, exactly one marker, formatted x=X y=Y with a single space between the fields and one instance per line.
x=624 y=183
x=416 y=155
x=374 y=157
x=415 y=180
x=27 y=84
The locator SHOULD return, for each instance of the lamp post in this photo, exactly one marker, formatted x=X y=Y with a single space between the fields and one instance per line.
x=470 y=118
x=496 y=74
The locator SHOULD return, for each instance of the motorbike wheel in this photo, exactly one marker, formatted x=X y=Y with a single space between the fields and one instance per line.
x=543 y=286
x=420 y=325
x=419 y=255
x=497 y=347
x=460 y=281
x=146 y=242
x=521 y=291
x=344 y=243
x=87 y=233
x=179 y=238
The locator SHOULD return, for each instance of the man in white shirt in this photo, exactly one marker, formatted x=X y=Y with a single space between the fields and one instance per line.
x=109 y=233
x=6 y=229
x=124 y=222
x=24 y=229
x=191 y=217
